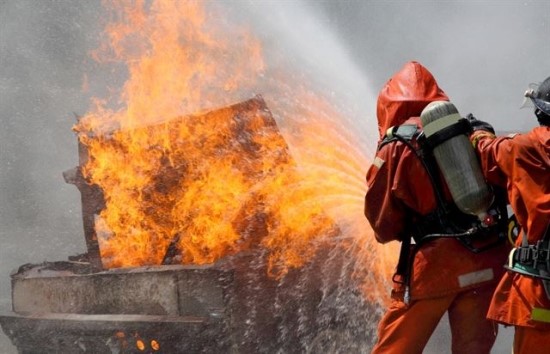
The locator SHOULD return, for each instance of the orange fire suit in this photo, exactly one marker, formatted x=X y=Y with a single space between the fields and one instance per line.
x=521 y=163
x=446 y=276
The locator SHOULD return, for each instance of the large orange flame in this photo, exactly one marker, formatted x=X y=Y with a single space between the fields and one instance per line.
x=148 y=145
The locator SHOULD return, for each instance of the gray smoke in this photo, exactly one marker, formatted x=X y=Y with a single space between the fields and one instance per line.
x=483 y=54
x=43 y=48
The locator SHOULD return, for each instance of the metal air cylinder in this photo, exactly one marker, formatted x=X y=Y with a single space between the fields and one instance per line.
x=457 y=161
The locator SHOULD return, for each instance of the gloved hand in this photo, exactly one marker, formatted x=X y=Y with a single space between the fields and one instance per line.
x=477 y=124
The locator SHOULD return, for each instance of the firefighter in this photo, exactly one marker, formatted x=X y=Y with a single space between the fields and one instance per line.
x=521 y=163
x=407 y=198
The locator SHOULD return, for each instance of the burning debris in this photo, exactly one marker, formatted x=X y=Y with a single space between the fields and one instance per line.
x=195 y=189
x=230 y=303
x=203 y=233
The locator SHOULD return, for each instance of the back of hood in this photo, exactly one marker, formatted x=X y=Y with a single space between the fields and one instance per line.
x=405 y=95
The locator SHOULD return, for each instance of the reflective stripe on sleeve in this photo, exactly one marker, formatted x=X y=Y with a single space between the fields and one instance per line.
x=541 y=315
x=378 y=162
x=475 y=277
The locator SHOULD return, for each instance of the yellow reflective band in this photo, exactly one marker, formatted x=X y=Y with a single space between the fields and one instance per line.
x=541 y=315
x=441 y=123
x=480 y=136
x=511 y=229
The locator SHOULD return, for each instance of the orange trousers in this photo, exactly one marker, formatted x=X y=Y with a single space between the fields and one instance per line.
x=407 y=329
x=531 y=341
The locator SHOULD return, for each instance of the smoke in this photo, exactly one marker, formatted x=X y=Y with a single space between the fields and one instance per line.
x=483 y=53
x=43 y=46
x=301 y=35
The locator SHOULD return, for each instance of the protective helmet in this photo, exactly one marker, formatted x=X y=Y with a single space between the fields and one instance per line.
x=540 y=96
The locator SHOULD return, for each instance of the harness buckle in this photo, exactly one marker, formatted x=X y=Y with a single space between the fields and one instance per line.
x=535 y=254
x=524 y=254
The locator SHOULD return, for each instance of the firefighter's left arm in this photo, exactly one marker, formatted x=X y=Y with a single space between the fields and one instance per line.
x=383 y=210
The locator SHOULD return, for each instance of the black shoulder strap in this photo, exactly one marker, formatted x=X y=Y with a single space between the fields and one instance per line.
x=399 y=132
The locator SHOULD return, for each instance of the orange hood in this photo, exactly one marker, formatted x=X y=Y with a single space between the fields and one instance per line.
x=405 y=95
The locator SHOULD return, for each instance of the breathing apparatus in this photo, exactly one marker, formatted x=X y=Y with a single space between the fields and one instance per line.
x=445 y=133
x=444 y=147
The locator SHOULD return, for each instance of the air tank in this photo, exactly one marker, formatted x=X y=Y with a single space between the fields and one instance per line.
x=457 y=161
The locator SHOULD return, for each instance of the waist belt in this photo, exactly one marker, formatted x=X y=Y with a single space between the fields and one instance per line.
x=532 y=260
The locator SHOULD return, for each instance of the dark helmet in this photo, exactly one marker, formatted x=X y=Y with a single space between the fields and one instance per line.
x=541 y=99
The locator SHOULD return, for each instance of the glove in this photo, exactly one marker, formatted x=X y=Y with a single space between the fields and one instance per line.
x=477 y=124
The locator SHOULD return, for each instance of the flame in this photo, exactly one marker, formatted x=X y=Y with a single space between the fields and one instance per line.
x=140 y=345
x=147 y=146
x=155 y=345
